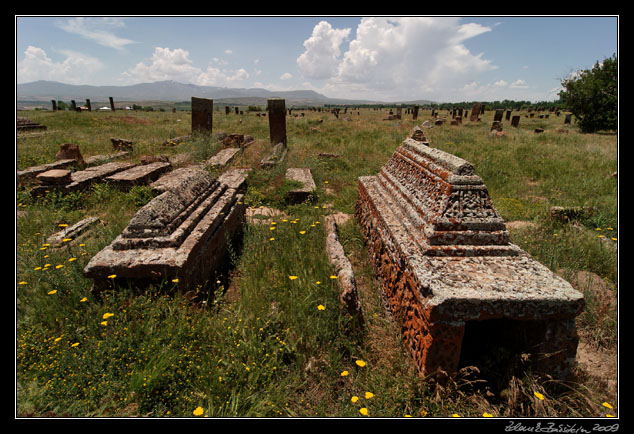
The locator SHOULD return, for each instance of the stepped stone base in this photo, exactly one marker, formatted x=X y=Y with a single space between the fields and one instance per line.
x=183 y=234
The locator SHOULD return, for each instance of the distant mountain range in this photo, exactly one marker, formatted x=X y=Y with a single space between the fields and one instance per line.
x=172 y=91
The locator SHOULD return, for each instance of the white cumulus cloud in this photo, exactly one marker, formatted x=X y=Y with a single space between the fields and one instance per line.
x=167 y=64
x=396 y=57
x=76 y=68
x=322 y=51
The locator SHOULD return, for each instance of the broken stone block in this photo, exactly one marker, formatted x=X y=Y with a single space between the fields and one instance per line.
x=142 y=174
x=306 y=191
x=55 y=177
x=275 y=157
x=174 y=141
x=418 y=135
x=182 y=234
x=121 y=144
x=223 y=157
x=70 y=151
x=452 y=277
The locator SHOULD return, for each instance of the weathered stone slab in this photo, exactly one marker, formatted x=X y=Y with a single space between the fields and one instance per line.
x=71 y=232
x=81 y=179
x=349 y=296
x=174 y=178
x=25 y=124
x=139 y=175
x=84 y=178
x=223 y=157
x=235 y=178
x=307 y=190
x=181 y=234
x=96 y=160
x=28 y=175
x=443 y=255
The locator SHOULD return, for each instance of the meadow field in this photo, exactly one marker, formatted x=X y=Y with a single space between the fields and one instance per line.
x=269 y=339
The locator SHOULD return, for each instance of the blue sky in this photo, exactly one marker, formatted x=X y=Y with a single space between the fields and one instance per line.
x=441 y=58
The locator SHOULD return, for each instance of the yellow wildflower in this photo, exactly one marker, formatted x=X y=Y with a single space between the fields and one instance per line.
x=83 y=300
x=292 y=277
x=360 y=363
x=364 y=411
x=485 y=414
x=112 y=276
x=321 y=307
x=539 y=396
x=302 y=232
x=75 y=344
x=107 y=315
x=104 y=323
x=605 y=404
x=198 y=411
x=51 y=292
x=344 y=373
x=354 y=399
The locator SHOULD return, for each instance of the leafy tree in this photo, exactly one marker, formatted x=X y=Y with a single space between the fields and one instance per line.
x=592 y=96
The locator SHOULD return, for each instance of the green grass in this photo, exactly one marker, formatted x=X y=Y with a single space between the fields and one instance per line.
x=258 y=344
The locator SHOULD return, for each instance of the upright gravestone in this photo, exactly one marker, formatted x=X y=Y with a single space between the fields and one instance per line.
x=568 y=118
x=88 y=105
x=515 y=121
x=277 y=120
x=415 y=116
x=498 y=115
x=111 y=103
x=54 y=105
x=202 y=115
x=508 y=115
x=73 y=105
x=475 y=112
x=227 y=109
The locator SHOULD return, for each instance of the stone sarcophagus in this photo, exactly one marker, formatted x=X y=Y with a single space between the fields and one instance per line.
x=453 y=280
x=183 y=233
